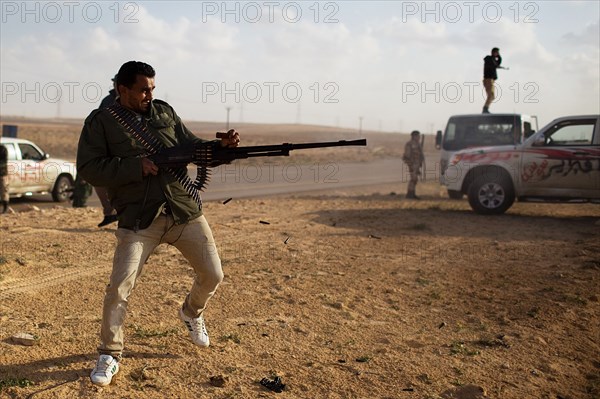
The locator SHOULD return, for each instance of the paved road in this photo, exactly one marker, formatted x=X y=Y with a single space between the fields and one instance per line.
x=244 y=180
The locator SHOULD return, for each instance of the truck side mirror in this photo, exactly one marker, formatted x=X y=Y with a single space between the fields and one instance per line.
x=438 y=140
x=539 y=141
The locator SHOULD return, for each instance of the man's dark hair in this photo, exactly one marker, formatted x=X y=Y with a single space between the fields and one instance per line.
x=128 y=72
x=495 y=49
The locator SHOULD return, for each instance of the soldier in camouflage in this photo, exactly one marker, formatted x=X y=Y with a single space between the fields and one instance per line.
x=413 y=157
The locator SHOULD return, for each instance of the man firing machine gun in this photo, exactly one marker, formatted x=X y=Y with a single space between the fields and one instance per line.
x=139 y=149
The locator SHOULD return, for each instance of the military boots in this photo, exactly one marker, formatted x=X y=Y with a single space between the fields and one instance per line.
x=410 y=194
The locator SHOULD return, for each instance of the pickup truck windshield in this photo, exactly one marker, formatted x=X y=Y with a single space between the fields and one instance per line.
x=487 y=130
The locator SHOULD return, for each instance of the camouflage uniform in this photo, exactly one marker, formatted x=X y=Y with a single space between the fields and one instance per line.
x=413 y=158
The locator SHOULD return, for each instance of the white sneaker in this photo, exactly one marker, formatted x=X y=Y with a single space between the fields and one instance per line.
x=197 y=329
x=106 y=368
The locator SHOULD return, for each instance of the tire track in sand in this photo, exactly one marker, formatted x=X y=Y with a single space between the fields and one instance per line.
x=10 y=287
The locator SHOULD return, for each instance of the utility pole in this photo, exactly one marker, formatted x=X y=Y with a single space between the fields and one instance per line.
x=360 y=119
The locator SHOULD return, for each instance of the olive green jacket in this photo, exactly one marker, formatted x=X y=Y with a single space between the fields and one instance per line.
x=107 y=156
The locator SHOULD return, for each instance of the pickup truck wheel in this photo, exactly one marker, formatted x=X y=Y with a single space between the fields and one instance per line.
x=491 y=195
x=453 y=194
x=60 y=192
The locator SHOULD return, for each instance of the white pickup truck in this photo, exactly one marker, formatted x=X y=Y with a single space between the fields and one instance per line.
x=561 y=163
x=481 y=130
x=33 y=171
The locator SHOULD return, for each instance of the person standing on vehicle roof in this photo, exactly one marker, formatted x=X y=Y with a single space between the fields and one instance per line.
x=490 y=64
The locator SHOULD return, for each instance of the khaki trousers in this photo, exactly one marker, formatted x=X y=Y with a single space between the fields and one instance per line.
x=490 y=90
x=196 y=243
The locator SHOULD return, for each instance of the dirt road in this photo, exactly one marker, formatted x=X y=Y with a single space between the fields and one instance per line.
x=262 y=179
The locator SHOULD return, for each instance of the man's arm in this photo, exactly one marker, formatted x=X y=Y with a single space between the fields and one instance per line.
x=97 y=165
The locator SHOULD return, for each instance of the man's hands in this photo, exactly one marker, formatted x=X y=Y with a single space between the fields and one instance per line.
x=230 y=139
x=149 y=167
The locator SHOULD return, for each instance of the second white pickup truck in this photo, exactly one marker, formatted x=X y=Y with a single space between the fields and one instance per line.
x=561 y=163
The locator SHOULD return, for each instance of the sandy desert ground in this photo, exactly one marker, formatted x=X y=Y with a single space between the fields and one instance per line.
x=350 y=293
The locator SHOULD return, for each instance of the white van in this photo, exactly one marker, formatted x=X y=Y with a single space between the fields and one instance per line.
x=32 y=171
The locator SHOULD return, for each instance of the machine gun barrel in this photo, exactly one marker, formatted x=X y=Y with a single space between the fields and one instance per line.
x=211 y=154
x=230 y=154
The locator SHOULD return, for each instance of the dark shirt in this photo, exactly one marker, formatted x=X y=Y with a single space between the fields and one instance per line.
x=490 y=64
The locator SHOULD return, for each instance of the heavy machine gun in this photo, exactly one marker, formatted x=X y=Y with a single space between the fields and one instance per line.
x=210 y=154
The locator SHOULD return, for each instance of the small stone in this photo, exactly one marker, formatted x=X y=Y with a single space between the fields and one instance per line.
x=24 y=339
x=219 y=380
x=465 y=392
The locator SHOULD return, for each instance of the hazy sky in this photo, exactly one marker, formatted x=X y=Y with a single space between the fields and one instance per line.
x=395 y=65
